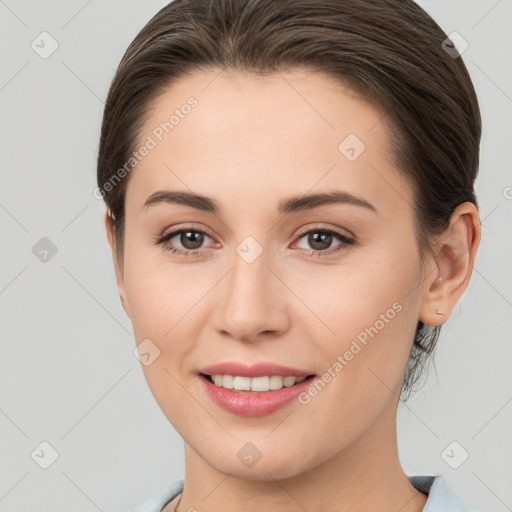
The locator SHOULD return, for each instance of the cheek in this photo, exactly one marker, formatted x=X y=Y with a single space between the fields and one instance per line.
x=168 y=304
x=164 y=306
x=159 y=294
x=363 y=370
x=371 y=311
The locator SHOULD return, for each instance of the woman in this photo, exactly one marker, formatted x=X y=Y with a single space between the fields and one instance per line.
x=291 y=212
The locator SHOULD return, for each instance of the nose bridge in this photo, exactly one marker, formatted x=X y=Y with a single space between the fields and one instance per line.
x=251 y=302
x=250 y=273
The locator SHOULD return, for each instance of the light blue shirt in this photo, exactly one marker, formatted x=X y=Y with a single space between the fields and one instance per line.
x=440 y=497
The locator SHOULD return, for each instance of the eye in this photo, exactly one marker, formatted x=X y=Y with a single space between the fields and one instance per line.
x=190 y=240
x=320 y=240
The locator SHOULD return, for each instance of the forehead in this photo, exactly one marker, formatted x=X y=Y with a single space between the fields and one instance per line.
x=251 y=140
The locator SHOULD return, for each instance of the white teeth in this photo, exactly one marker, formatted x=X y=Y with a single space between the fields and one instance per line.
x=241 y=383
x=289 y=381
x=260 y=384
x=276 y=382
x=238 y=383
x=226 y=381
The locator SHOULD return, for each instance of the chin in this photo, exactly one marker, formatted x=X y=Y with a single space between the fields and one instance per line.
x=270 y=467
x=262 y=472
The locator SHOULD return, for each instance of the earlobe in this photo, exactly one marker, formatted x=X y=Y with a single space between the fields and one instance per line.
x=455 y=254
x=109 y=228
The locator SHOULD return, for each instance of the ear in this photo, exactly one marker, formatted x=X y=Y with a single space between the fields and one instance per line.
x=455 y=252
x=118 y=266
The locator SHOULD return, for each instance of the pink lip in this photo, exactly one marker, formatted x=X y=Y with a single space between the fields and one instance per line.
x=252 y=403
x=256 y=370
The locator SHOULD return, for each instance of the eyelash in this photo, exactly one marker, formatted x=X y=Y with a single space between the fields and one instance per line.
x=346 y=241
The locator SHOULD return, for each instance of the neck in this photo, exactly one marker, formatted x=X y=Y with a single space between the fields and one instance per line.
x=365 y=475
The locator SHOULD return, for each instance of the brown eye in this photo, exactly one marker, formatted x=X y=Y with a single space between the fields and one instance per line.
x=319 y=241
x=186 y=242
x=191 y=239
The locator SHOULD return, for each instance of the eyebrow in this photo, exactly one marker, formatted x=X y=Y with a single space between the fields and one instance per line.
x=290 y=205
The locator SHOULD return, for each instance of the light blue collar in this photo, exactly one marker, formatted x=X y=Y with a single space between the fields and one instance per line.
x=440 y=496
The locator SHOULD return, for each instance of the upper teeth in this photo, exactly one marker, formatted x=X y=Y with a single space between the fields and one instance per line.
x=256 y=383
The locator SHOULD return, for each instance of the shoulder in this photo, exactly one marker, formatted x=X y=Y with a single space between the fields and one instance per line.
x=157 y=502
x=438 y=491
x=440 y=496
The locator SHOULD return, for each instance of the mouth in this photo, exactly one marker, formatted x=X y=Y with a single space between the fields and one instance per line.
x=254 y=396
x=257 y=389
x=261 y=384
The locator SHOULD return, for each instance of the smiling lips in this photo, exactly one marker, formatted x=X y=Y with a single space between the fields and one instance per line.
x=265 y=383
x=253 y=390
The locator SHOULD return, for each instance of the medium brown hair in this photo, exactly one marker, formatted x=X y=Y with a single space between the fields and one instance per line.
x=389 y=51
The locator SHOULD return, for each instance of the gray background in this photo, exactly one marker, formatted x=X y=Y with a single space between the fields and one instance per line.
x=68 y=373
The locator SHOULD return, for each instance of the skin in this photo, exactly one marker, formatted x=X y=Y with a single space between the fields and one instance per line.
x=250 y=143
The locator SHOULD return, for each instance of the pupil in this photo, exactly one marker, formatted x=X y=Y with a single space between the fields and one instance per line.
x=191 y=239
x=325 y=238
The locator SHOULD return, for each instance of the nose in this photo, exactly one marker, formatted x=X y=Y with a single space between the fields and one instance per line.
x=253 y=303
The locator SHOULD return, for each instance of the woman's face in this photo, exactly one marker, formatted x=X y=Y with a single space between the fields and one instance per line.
x=259 y=279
